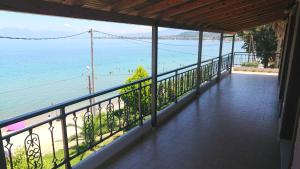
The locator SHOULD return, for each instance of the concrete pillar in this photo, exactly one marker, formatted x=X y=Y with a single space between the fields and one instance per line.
x=220 y=56
x=199 y=74
x=154 y=76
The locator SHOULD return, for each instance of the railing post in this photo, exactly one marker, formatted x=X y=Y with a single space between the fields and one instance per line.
x=154 y=76
x=211 y=70
x=2 y=153
x=140 y=102
x=220 y=56
x=65 y=138
x=199 y=61
x=176 y=86
x=232 y=54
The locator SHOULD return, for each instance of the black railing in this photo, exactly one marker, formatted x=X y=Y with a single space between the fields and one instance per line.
x=82 y=125
x=245 y=57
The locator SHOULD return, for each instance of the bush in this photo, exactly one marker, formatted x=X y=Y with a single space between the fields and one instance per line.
x=250 y=64
x=129 y=95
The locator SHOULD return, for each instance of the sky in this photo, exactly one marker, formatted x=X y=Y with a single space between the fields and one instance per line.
x=35 y=22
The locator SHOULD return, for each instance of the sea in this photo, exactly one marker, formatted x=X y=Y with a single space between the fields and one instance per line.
x=37 y=74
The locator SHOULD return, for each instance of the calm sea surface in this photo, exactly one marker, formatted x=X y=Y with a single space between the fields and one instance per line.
x=36 y=74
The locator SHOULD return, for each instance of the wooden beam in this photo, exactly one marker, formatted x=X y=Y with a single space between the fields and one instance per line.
x=204 y=9
x=255 y=18
x=239 y=27
x=238 y=10
x=259 y=14
x=222 y=12
x=98 y=5
x=122 y=5
x=184 y=8
x=55 y=9
x=159 y=6
x=255 y=24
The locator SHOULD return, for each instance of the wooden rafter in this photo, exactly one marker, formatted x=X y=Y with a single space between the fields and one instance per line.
x=208 y=15
x=168 y=14
x=231 y=12
x=122 y=5
x=234 y=12
x=159 y=6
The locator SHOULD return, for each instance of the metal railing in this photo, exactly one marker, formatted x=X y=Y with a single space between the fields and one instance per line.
x=245 y=57
x=75 y=127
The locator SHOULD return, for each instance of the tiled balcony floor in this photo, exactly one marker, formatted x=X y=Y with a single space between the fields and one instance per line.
x=233 y=125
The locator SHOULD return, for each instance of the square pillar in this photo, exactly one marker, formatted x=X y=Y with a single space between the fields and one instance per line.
x=220 y=56
x=154 y=76
x=199 y=74
x=232 y=54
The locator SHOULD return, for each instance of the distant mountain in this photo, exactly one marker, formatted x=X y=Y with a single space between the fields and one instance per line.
x=167 y=32
x=176 y=34
x=164 y=34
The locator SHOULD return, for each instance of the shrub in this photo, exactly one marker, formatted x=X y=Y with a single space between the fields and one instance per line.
x=250 y=64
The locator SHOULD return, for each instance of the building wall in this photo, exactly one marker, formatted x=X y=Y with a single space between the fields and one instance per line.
x=296 y=156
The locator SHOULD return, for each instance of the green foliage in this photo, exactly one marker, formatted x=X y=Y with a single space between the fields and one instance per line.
x=19 y=159
x=129 y=94
x=265 y=41
x=250 y=64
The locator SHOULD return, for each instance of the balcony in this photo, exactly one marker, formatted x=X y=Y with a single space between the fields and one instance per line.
x=77 y=128
x=228 y=126
x=219 y=128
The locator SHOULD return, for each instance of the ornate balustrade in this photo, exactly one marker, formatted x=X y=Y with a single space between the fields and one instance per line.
x=77 y=127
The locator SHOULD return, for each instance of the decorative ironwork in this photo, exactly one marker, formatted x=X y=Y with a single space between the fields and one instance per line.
x=160 y=94
x=54 y=159
x=188 y=81
x=76 y=131
x=8 y=146
x=181 y=89
x=110 y=116
x=88 y=127
x=100 y=121
x=33 y=151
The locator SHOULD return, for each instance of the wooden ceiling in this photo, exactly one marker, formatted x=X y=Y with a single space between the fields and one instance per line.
x=209 y=15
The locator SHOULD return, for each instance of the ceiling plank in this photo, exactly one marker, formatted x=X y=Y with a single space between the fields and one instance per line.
x=251 y=24
x=255 y=18
x=205 y=9
x=243 y=17
x=184 y=8
x=227 y=11
x=122 y=5
x=239 y=14
x=159 y=6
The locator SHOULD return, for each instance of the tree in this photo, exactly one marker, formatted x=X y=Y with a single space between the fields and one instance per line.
x=265 y=42
x=130 y=94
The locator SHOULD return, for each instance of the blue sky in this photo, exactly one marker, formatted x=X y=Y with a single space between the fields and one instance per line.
x=50 y=23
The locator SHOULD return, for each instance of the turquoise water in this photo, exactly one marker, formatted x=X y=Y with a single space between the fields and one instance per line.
x=36 y=74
